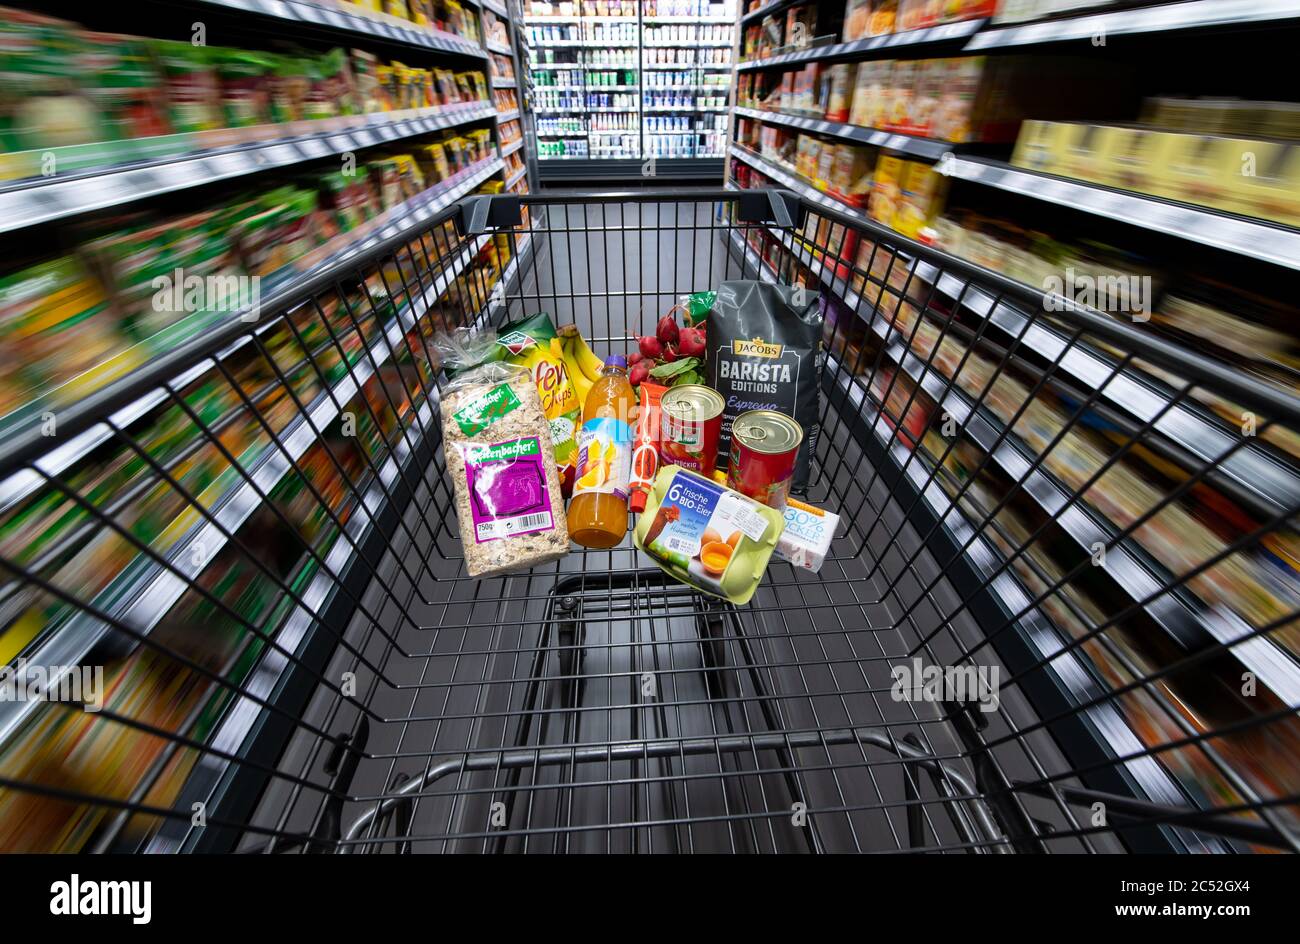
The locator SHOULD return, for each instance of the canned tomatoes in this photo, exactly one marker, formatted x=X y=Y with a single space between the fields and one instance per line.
x=764 y=446
x=690 y=426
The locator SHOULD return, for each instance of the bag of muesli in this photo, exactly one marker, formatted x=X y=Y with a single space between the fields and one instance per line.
x=497 y=444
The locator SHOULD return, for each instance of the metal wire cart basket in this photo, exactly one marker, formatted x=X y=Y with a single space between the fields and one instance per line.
x=255 y=538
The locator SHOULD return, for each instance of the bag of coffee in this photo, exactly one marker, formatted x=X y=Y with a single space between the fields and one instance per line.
x=765 y=353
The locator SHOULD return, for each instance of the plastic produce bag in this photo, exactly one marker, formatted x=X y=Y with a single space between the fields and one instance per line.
x=497 y=444
x=765 y=353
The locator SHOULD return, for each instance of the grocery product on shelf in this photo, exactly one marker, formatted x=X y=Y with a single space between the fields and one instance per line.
x=40 y=308
x=495 y=30
x=598 y=512
x=706 y=535
x=961 y=100
x=1208 y=152
x=103 y=99
x=441 y=16
x=109 y=291
x=798 y=27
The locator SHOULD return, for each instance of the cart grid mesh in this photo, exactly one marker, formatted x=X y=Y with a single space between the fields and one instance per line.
x=266 y=565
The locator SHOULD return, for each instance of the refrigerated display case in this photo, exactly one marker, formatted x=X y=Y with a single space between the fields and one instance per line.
x=631 y=89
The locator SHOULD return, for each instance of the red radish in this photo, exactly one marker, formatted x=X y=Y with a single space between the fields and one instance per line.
x=692 y=342
x=670 y=354
x=638 y=373
x=634 y=358
x=651 y=347
x=667 y=329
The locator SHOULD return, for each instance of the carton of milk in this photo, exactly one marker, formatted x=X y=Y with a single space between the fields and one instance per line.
x=806 y=540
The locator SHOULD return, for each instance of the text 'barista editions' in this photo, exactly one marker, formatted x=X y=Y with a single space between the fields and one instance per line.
x=756 y=367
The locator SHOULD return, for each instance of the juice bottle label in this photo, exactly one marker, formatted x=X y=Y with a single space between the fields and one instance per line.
x=604 y=457
x=507 y=489
x=698 y=526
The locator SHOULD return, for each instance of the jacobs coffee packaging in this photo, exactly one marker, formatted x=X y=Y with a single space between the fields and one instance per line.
x=766 y=354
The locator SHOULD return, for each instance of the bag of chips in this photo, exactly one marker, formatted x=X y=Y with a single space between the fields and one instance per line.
x=533 y=343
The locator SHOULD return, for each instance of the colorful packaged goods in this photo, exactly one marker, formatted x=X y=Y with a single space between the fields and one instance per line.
x=851 y=175
x=884 y=16
x=1197 y=168
x=133 y=259
x=645 y=444
x=764 y=447
x=806 y=540
x=351 y=198
x=706 y=535
x=42 y=309
x=245 y=84
x=278 y=236
x=886 y=190
x=800 y=25
x=193 y=89
x=290 y=85
x=499 y=455
x=331 y=90
x=410 y=178
x=533 y=343
x=41 y=105
x=857 y=20
x=118 y=76
x=765 y=352
x=903 y=76
x=920 y=198
x=690 y=426
x=372 y=94
x=870 y=103
x=840 y=77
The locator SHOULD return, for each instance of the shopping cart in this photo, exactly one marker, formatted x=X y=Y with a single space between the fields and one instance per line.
x=1032 y=500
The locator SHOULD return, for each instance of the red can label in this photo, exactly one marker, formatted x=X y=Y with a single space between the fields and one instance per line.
x=690 y=426
x=763 y=476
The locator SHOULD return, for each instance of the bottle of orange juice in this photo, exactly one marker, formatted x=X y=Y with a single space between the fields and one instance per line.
x=598 y=512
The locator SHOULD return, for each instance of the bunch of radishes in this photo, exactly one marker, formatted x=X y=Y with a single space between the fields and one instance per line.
x=681 y=346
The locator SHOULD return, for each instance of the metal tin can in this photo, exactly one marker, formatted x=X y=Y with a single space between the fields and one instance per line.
x=691 y=425
x=764 y=446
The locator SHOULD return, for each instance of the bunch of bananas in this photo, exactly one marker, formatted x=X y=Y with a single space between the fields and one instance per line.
x=580 y=360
